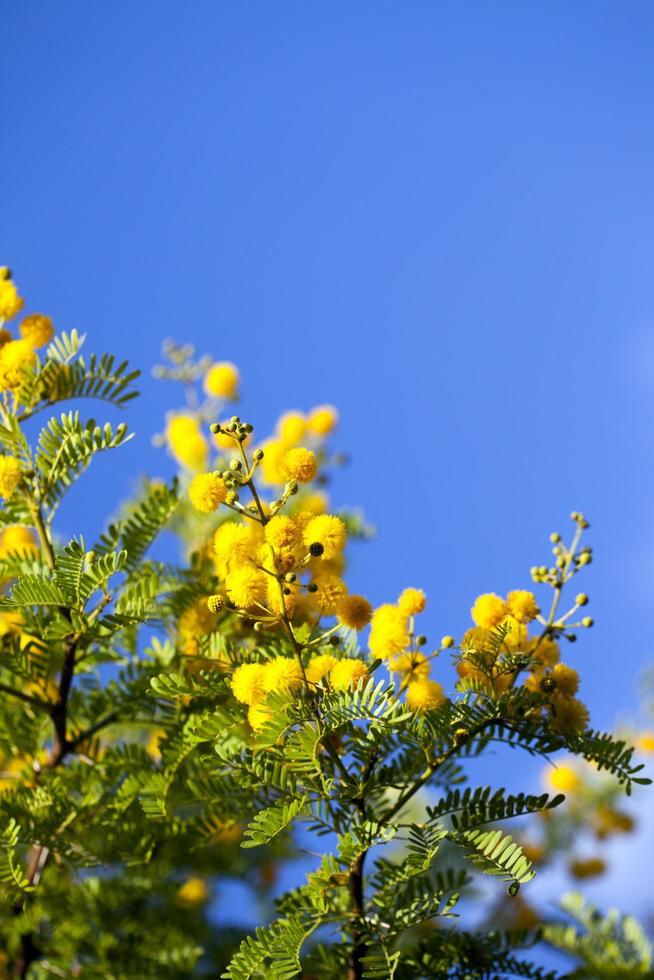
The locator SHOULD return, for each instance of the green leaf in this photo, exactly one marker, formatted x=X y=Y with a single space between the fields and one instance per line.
x=270 y=822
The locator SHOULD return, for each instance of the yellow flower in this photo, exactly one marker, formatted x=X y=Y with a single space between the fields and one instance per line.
x=10 y=622
x=567 y=680
x=412 y=665
x=328 y=531
x=247 y=683
x=195 y=621
x=319 y=667
x=354 y=611
x=331 y=591
x=388 y=634
x=281 y=533
x=645 y=743
x=16 y=358
x=569 y=716
x=246 y=586
x=10 y=476
x=563 y=779
x=299 y=464
x=270 y=467
x=207 y=492
x=153 y=744
x=421 y=695
x=489 y=610
x=258 y=715
x=315 y=502
x=517 y=638
x=589 y=868
x=346 y=674
x=235 y=544
x=522 y=605
x=291 y=428
x=412 y=601
x=18 y=538
x=283 y=675
x=36 y=329
x=221 y=380
x=322 y=420
x=194 y=891
x=547 y=651
x=186 y=441
x=10 y=302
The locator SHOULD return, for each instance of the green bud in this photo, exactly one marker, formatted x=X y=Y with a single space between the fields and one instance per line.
x=421 y=640
x=290 y=577
x=555 y=537
x=257 y=455
x=236 y=465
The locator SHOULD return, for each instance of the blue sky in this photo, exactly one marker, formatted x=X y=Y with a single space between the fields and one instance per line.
x=438 y=216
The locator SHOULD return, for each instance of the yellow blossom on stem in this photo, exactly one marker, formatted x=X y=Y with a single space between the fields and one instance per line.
x=645 y=743
x=259 y=714
x=319 y=667
x=246 y=586
x=186 y=442
x=299 y=464
x=388 y=634
x=566 y=680
x=270 y=467
x=247 y=683
x=348 y=673
x=16 y=358
x=327 y=531
x=546 y=651
x=18 y=538
x=489 y=610
x=569 y=716
x=37 y=329
x=563 y=779
x=207 y=492
x=412 y=666
x=331 y=591
x=10 y=302
x=322 y=420
x=522 y=605
x=235 y=544
x=291 y=428
x=281 y=532
x=282 y=675
x=423 y=694
x=194 y=891
x=354 y=611
x=221 y=380
x=196 y=621
x=412 y=601
x=10 y=476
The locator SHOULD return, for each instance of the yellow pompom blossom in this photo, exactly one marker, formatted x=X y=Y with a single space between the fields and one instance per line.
x=16 y=358
x=281 y=533
x=587 y=868
x=315 y=502
x=331 y=592
x=300 y=464
x=291 y=428
x=186 y=442
x=194 y=891
x=10 y=622
x=411 y=666
x=388 y=635
x=258 y=716
x=37 y=329
x=18 y=538
x=322 y=420
x=10 y=476
x=207 y=492
x=348 y=673
x=247 y=683
x=246 y=586
x=354 y=611
x=489 y=610
x=221 y=380
x=412 y=601
x=546 y=651
x=235 y=544
x=517 y=637
x=270 y=467
x=196 y=621
x=566 y=679
x=569 y=716
x=645 y=743
x=10 y=301
x=319 y=667
x=282 y=675
x=153 y=744
x=522 y=605
x=328 y=531
x=423 y=694
x=563 y=779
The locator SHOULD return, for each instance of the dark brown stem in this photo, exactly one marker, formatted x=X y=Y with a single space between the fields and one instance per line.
x=355 y=971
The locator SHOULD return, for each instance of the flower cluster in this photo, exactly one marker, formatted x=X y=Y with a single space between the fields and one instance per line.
x=18 y=355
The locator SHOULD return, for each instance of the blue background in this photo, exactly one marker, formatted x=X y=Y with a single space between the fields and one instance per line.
x=438 y=216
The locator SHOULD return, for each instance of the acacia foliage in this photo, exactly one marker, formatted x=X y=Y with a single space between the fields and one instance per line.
x=102 y=830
